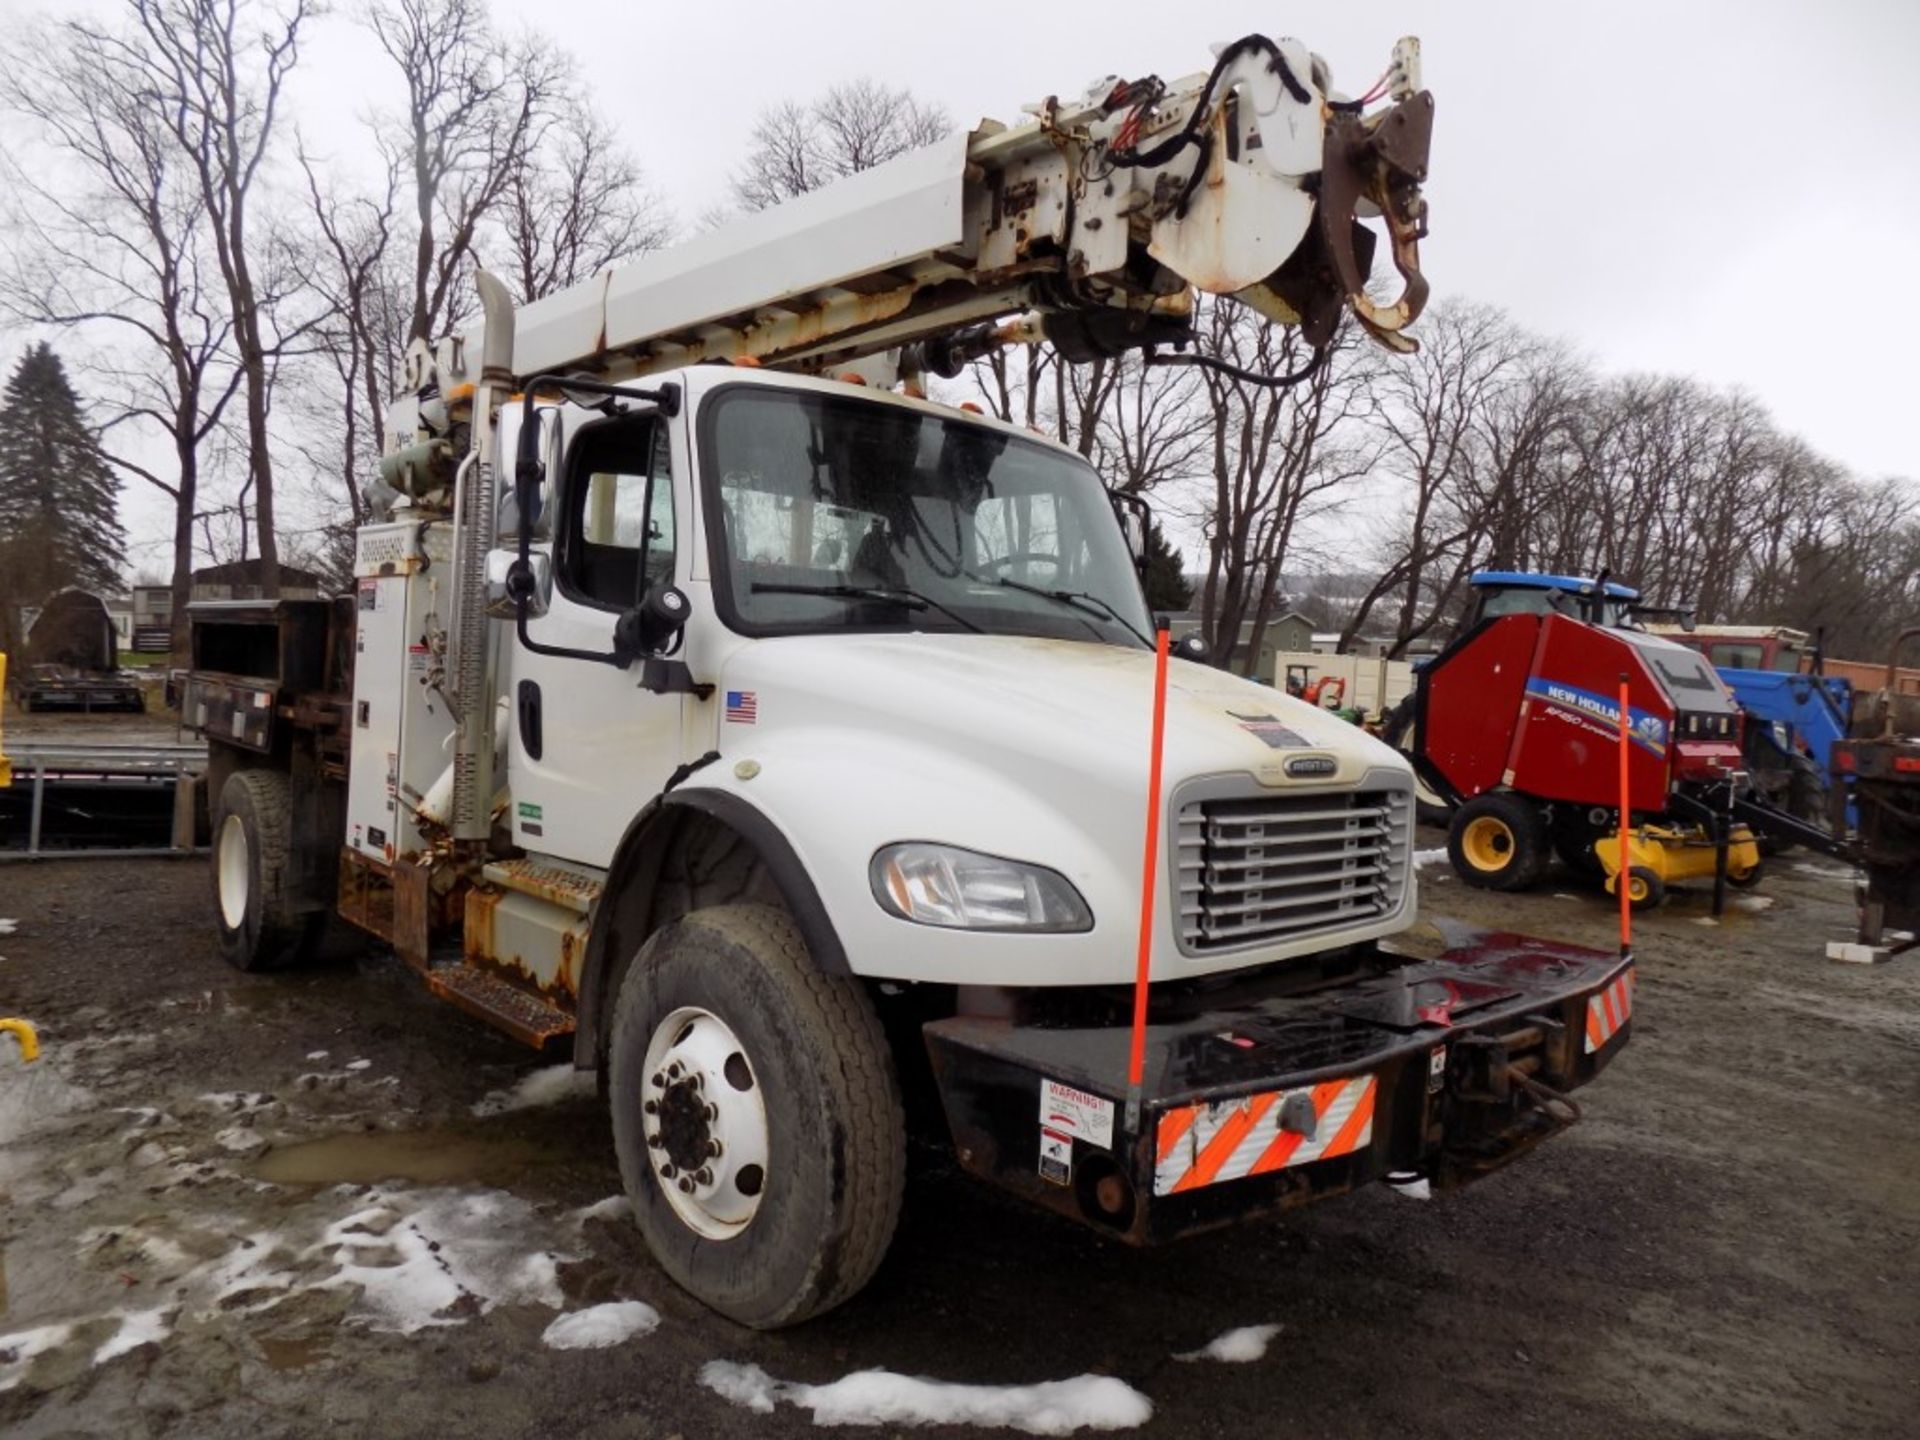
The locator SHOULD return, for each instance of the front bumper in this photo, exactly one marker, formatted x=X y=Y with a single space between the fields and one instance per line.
x=1258 y=1100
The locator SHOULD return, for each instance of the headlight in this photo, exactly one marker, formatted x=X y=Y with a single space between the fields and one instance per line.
x=965 y=890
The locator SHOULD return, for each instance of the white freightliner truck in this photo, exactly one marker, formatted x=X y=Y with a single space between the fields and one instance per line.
x=781 y=742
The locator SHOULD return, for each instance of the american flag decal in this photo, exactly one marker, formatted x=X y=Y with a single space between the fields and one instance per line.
x=743 y=707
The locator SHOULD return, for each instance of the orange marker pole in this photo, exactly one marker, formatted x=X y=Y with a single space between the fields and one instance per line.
x=1149 y=864
x=1620 y=881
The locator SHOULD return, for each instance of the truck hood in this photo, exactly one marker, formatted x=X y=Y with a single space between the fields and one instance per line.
x=1040 y=708
x=1029 y=749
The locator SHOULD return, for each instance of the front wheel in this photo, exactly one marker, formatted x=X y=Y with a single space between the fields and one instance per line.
x=756 y=1117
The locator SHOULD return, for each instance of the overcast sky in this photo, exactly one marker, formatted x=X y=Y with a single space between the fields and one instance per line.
x=1730 y=191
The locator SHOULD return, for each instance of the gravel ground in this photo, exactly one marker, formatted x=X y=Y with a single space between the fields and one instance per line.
x=266 y=1206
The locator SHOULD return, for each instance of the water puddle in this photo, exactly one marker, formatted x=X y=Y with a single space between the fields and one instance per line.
x=284 y=1353
x=424 y=1157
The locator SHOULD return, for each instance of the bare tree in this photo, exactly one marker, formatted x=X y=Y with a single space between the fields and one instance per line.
x=1278 y=455
x=112 y=242
x=852 y=127
x=216 y=71
x=477 y=107
x=579 y=206
x=360 y=338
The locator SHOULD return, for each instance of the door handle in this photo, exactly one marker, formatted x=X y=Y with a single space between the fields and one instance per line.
x=529 y=718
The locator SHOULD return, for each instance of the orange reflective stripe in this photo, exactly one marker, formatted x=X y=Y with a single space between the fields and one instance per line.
x=1225 y=1141
x=1595 y=1039
x=1286 y=1142
x=1613 y=1014
x=1174 y=1125
x=1349 y=1132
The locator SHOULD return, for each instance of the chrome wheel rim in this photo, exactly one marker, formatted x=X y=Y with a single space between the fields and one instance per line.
x=232 y=872
x=705 y=1123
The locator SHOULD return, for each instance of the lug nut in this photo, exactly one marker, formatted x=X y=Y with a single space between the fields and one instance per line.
x=667 y=1171
x=713 y=1148
x=652 y=1107
x=673 y=1070
x=654 y=1142
x=698 y=1080
x=659 y=1081
x=686 y=1186
x=703 y=1176
x=713 y=1112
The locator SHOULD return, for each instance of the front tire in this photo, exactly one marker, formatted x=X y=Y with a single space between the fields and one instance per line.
x=744 y=1049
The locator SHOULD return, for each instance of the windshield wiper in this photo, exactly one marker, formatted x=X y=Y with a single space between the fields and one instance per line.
x=901 y=595
x=1079 y=600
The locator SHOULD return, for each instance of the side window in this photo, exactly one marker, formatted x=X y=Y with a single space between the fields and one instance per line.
x=619 y=539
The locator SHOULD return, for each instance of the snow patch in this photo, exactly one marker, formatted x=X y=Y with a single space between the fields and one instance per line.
x=17 y=1351
x=1429 y=857
x=316 y=1054
x=554 y=1085
x=614 y=1207
x=1420 y=1189
x=1237 y=1347
x=137 y=1328
x=451 y=1255
x=359 y=1065
x=1752 y=902
x=880 y=1397
x=599 y=1326
x=7 y=927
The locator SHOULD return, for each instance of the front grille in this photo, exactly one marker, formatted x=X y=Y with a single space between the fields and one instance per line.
x=1273 y=867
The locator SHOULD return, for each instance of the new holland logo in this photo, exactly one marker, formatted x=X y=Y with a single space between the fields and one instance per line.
x=1303 y=766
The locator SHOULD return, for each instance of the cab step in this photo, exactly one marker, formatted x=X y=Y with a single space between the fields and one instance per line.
x=558 y=882
x=526 y=1017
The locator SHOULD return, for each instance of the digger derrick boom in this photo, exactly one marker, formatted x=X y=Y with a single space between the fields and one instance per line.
x=1102 y=215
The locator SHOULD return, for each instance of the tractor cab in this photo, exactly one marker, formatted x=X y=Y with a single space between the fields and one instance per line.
x=1602 y=602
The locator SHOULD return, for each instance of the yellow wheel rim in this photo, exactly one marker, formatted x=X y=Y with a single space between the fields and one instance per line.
x=1487 y=842
x=1637 y=888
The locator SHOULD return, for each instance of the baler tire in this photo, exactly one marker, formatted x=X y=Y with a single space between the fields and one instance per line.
x=1653 y=889
x=260 y=928
x=1429 y=806
x=829 y=1198
x=1746 y=879
x=1508 y=825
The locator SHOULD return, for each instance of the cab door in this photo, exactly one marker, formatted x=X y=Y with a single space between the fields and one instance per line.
x=590 y=747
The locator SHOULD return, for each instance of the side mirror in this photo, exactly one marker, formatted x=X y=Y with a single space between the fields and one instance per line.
x=1136 y=524
x=1193 y=647
x=504 y=583
x=528 y=471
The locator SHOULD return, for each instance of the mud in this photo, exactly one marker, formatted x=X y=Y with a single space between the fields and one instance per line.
x=216 y=1220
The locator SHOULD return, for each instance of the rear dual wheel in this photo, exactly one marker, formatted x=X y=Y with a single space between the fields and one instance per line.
x=260 y=922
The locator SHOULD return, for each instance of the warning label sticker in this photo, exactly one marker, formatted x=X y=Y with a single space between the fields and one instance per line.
x=1070 y=1112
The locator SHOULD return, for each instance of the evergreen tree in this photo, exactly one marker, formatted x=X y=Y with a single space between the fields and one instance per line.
x=59 y=504
x=1167 y=587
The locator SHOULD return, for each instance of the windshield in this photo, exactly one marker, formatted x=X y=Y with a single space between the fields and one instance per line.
x=840 y=513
